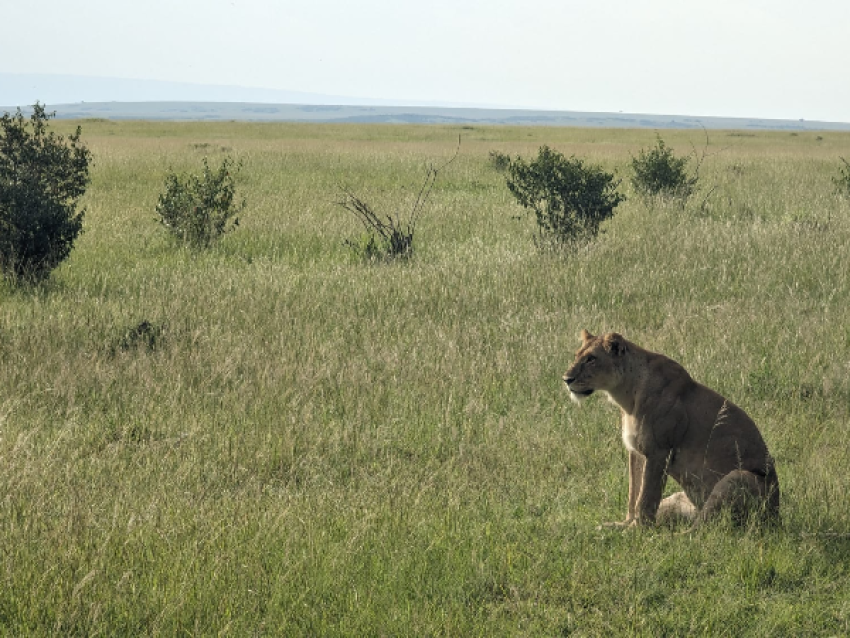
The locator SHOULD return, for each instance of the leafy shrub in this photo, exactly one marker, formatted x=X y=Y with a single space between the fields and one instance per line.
x=569 y=198
x=500 y=161
x=198 y=209
x=842 y=181
x=659 y=172
x=42 y=177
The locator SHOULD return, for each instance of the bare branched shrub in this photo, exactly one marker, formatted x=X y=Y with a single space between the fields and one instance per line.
x=389 y=236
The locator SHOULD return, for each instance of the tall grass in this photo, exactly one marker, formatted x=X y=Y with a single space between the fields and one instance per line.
x=318 y=446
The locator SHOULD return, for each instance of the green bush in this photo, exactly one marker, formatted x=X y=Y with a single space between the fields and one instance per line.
x=499 y=161
x=42 y=177
x=659 y=172
x=842 y=181
x=570 y=199
x=198 y=209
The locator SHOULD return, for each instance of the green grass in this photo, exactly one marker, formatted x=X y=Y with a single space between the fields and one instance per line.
x=317 y=446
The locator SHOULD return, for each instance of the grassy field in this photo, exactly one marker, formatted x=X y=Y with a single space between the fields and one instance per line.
x=319 y=446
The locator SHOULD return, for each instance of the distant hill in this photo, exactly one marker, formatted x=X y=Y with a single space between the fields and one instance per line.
x=115 y=98
x=22 y=89
x=260 y=112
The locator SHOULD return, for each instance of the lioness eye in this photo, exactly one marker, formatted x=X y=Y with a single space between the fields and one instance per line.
x=590 y=359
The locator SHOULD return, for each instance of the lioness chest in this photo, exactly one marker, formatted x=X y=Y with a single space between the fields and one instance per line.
x=630 y=433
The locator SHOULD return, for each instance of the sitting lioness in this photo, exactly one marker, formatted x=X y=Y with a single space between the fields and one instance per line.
x=674 y=426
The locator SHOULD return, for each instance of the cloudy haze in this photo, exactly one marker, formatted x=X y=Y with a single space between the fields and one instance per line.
x=777 y=59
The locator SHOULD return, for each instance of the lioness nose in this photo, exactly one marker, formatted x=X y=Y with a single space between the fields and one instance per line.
x=568 y=380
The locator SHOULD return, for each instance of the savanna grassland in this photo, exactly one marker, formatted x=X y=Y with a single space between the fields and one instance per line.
x=306 y=444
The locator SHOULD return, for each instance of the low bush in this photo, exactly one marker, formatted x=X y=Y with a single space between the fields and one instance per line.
x=198 y=209
x=570 y=199
x=500 y=161
x=658 y=172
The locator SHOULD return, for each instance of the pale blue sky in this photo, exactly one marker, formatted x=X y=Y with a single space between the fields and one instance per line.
x=747 y=58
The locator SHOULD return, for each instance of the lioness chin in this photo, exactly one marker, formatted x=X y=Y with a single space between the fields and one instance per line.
x=674 y=426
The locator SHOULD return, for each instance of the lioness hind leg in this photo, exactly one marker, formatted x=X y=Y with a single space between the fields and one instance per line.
x=676 y=509
x=744 y=493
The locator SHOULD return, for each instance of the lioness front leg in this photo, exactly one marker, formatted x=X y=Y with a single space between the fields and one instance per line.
x=636 y=468
x=636 y=463
x=652 y=485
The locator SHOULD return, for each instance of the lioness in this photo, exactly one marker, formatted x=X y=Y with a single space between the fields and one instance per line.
x=674 y=426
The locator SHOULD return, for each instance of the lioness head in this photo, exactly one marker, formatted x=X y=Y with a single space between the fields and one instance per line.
x=597 y=364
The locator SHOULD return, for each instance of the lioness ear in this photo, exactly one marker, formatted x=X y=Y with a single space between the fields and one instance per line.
x=614 y=344
x=586 y=336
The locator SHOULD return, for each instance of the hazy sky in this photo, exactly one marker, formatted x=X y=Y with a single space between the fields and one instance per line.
x=747 y=58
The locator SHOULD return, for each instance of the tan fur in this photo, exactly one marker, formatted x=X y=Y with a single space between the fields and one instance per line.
x=674 y=426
